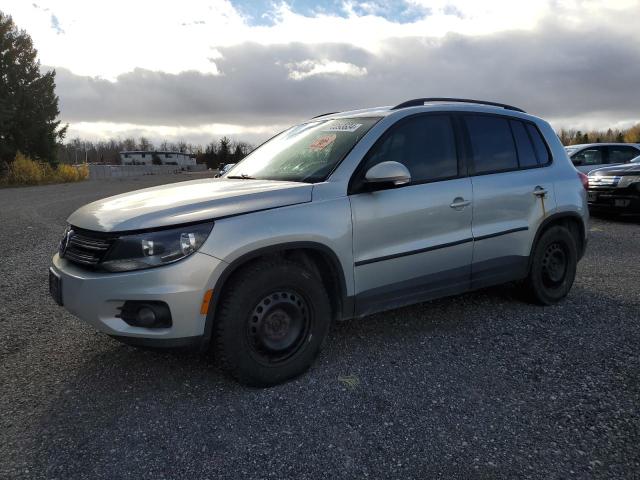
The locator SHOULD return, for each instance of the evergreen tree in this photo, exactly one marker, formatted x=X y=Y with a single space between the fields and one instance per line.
x=224 y=151
x=238 y=154
x=28 y=103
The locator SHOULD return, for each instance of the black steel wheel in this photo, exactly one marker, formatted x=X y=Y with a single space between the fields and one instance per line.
x=278 y=326
x=273 y=319
x=553 y=266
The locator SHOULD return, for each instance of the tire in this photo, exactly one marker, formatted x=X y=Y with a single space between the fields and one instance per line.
x=553 y=266
x=274 y=317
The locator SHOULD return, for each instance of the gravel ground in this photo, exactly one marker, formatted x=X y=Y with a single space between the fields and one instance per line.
x=480 y=386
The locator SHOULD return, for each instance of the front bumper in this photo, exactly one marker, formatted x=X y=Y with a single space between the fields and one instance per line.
x=94 y=297
x=617 y=199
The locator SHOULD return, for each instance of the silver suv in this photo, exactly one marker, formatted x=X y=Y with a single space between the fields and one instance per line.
x=342 y=216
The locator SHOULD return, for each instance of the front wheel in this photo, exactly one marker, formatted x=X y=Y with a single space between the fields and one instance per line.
x=553 y=266
x=273 y=319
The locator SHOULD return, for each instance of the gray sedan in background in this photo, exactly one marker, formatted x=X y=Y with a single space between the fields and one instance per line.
x=589 y=156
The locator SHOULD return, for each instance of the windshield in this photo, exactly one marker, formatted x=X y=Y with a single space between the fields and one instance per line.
x=305 y=153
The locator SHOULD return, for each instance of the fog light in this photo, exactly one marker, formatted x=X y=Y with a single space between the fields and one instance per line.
x=146 y=317
x=149 y=314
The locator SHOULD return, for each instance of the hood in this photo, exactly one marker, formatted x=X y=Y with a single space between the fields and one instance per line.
x=618 y=170
x=186 y=202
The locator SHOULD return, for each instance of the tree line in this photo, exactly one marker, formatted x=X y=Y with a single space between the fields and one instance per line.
x=574 y=137
x=214 y=154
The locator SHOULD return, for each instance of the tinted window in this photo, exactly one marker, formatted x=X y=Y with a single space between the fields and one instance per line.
x=526 y=153
x=538 y=144
x=492 y=143
x=622 y=154
x=424 y=144
x=589 y=156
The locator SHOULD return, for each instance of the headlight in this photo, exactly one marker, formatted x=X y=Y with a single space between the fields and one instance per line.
x=155 y=248
x=628 y=180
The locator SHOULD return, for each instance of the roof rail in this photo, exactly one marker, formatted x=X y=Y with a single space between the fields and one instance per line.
x=324 y=114
x=416 y=102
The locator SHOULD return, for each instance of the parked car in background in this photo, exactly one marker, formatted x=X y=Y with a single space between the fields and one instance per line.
x=589 y=156
x=225 y=169
x=342 y=216
x=616 y=188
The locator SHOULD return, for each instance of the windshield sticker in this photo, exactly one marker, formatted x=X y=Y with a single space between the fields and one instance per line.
x=343 y=127
x=322 y=142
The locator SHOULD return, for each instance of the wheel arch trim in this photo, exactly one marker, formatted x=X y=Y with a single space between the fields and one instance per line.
x=557 y=218
x=346 y=304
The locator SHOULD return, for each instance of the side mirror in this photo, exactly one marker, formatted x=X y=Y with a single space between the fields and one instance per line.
x=394 y=173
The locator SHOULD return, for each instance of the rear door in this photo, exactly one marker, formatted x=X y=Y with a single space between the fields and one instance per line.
x=511 y=192
x=619 y=154
x=413 y=242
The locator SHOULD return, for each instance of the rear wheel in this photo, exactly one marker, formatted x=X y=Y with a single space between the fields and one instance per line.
x=273 y=319
x=553 y=266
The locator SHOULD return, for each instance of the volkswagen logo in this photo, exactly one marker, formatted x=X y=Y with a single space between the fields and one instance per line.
x=64 y=243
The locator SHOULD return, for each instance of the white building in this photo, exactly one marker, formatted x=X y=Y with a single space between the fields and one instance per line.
x=138 y=157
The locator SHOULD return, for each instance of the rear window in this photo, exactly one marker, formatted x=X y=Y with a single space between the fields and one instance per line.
x=492 y=143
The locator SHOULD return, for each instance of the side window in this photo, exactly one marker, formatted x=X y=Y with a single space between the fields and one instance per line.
x=538 y=144
x=588 y=156
x=526 y=153
x=491 y=143
x=621 y=154
x=424 y=144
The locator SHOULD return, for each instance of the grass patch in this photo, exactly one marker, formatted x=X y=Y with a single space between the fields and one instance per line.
x=25 y=171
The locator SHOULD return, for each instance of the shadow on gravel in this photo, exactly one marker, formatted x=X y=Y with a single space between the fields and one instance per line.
x=622 y=218
x=424 y=376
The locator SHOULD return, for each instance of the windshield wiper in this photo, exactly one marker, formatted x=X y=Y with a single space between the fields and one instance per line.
x=242 y=176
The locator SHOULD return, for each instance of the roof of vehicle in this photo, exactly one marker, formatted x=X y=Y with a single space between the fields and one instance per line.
x=429 y=104
x=610 y=144
x=156 y=151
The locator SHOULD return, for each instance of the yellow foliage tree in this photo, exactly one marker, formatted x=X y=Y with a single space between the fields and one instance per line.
x=633 y=134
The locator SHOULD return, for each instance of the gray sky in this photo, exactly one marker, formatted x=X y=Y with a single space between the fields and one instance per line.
x=199 y=70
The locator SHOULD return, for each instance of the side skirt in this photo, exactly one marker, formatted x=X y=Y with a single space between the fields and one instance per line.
x=441 y=284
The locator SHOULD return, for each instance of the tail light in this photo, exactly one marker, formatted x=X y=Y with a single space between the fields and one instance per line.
x=584 y=179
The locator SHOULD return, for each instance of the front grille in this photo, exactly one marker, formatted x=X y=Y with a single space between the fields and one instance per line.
x=85 y=248
x=604 y=190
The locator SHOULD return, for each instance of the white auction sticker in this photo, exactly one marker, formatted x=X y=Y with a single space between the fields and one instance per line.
x=343 y=127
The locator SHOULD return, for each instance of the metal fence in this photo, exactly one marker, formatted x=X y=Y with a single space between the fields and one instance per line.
x=117 y=171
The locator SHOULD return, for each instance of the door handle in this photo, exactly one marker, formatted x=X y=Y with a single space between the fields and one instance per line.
x=539 y=191
x=459 y=203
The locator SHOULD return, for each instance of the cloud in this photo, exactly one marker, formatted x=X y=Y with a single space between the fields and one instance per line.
x=309 y=68
x=110 y=39
x=577 y=76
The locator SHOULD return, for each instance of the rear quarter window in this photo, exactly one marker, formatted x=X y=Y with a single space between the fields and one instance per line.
x=526 y=153
x=539 y=145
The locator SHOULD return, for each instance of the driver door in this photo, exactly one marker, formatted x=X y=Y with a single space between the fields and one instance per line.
x=413 y=243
